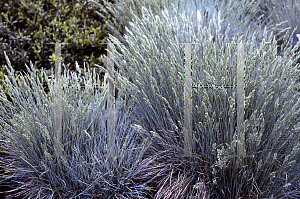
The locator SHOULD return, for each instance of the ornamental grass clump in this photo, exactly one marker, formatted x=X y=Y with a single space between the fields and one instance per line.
x=154 y=61
x=83 y=170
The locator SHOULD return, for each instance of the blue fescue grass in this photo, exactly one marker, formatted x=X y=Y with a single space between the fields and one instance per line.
x=83 y=171
x=150 y=115
x=154 y=62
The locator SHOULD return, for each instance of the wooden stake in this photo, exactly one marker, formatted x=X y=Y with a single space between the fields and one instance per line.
x=188 y=137
x=57 y=102
x=240 y=100
x=110 y=104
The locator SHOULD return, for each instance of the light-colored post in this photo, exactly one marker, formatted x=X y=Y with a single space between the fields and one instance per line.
x=241 y=151
x=187 y=127
x=240 y=100
x=57 y=102
x=188 y=138
x=110 y=103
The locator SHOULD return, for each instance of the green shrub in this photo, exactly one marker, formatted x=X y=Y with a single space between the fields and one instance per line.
x=27 y=26
x=154 y=62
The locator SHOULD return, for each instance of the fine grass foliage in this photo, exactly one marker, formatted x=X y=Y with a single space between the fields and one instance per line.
x=284 y=12
x=83 y=170
x=235 y=17
x=155 y=63
x=150 y=114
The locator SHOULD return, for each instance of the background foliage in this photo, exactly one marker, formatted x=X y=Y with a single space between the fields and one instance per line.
x=27 y=25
